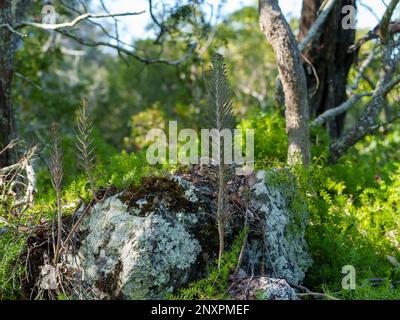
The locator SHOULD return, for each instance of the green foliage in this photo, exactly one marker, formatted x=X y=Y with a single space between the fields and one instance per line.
x=366 y=291
x=215 y=286
x=125 y=169
x=353 y=205
x=371 y=160
x=251 y=60
x=11 y=269
x=141 y=123
x=132 y=89
x=270 y=141
x=348 y=230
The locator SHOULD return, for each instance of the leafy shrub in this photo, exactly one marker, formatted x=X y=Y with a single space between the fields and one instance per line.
x=125 y=169
x=348 y=230
x=215 y=286
x=142 y=123
x=368 y=292
x=270 y=141
x=10 y=270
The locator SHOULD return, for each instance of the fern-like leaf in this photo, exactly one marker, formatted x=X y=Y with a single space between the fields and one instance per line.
x=221 y=117
x=84 y=145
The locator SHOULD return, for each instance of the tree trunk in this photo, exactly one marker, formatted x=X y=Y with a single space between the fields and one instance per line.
x=11 y=12
x=328 y=56
x=7 y=51
x=278 y=33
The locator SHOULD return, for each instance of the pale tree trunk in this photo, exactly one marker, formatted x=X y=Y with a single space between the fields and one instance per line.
x=294 y=84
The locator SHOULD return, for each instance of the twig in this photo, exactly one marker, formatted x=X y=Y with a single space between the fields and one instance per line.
x=6 y=25
x=331 y=113
x=76 y=21
x=28 y=80
x=308 y=292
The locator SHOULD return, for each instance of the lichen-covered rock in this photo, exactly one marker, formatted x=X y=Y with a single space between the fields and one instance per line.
x=262 y=288
x=133 y=256
x=281 y=251
x=145 y=242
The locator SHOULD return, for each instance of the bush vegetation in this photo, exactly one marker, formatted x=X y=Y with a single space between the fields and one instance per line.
x=354 y=205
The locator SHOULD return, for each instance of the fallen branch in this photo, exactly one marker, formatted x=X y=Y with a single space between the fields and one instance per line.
x=308 y=292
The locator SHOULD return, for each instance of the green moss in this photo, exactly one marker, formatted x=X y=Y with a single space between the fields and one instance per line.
x=154 y=189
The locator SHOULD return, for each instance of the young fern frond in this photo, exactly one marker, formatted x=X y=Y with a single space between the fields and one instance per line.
x=84 y=145
x=56 y=171
x=220 y=111
x=219 y=96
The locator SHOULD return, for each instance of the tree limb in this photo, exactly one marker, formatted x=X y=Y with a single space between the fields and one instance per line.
x=332 y=113
x=6 y=25
x=76 y=21
x=367 y=121
x=316 y=27
x=84 y=42
x=393 y=28
x=384 y=25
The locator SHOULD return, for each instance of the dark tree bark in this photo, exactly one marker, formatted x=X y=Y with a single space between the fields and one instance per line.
x=388 y=80
x=11 y=12
x=7 y=51
x=328 y=54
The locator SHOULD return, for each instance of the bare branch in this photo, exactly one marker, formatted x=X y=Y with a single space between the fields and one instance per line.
x=367 y=121
x=317 y=26
x=131 y=53
x=162 y=26
x=391 y=85
x=332 y=113
x=384 y=25
x=308 y=292
x=393 y=28
x=99 y=25
x=6 y=25
x=76 y=21
x=29 y=81
x=362 y=69
x=387 y=82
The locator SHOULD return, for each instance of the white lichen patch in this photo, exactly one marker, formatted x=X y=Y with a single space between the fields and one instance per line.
x=285 y=251
x=138 y=257
x=189 y=189
x=275 y=289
